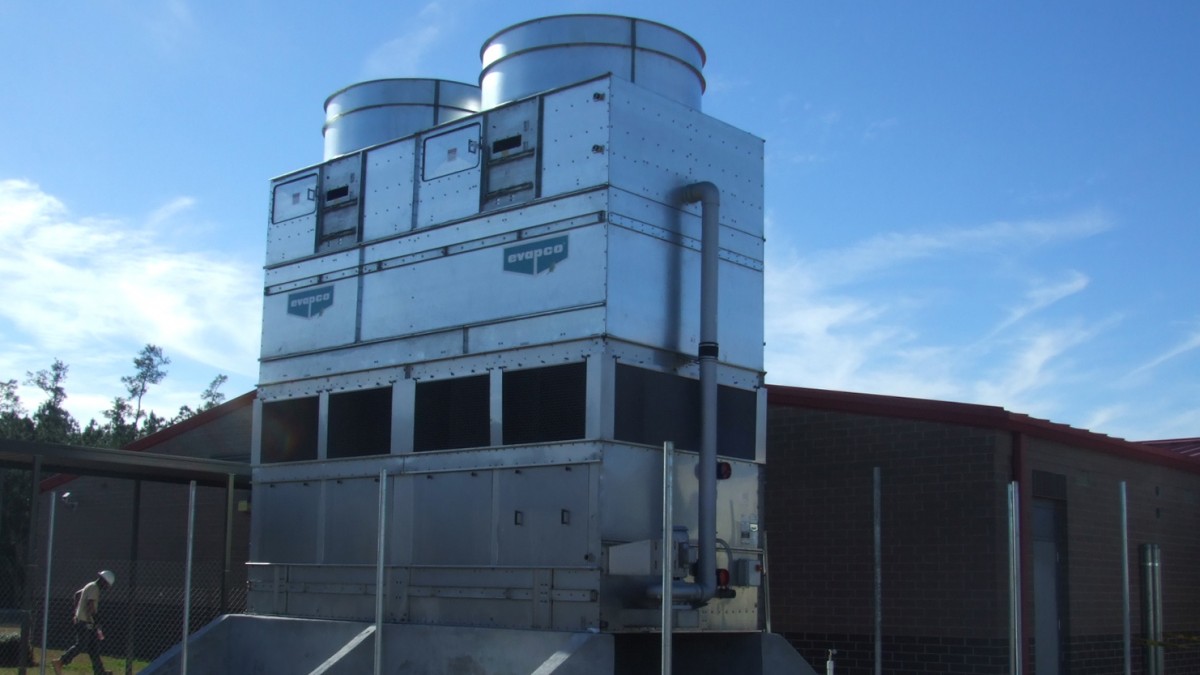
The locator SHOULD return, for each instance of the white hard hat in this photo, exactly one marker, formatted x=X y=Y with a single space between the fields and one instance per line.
x=108 y=577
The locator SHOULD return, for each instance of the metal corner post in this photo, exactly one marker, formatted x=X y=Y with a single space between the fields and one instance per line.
x=187 y=577
x=381 y=558
x=46 y=593
x=878 y=532
x=1125 y=619
x=668 y=559
x=1015 y=650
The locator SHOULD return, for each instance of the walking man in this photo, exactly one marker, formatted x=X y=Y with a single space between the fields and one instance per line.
x=88 y=633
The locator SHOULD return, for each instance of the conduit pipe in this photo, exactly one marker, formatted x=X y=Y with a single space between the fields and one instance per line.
x=705 y=586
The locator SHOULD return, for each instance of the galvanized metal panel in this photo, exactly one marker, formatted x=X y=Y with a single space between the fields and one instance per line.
x=351 y=520
x=388 y=190
x=741 y=332
x=290 y=510
x=448 y=186
x=401 y=518
x=659 y=146
x=488 y=284
x=291 y=239
x=275 y=373
x=331 y=592
x=568 y=324
x=631 y=494
x=672 y=223
x=575 y=138
x=542 y=516
x=311 y=318
x=311 y=271
x=504 y=226
x=654 y=299
x=515 y=597
x=452 y=518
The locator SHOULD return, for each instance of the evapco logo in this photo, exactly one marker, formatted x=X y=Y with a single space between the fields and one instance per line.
x=535 y=257
x=311 y=302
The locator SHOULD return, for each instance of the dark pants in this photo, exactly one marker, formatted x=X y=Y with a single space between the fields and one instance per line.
x=85 y=641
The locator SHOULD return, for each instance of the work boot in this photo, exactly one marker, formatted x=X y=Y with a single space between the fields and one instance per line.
x=57 y=663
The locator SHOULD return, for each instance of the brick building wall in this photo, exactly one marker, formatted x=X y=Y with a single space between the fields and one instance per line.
x=945 y=469
x=944 y=538
x=1163 y=507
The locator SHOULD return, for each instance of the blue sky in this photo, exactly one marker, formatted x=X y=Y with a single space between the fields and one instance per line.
x=990 y=202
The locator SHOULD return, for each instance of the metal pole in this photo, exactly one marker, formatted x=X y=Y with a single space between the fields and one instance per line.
x=187 y=577
x=1152 y=628
x=668 y=545
x=380 y=557
x=1125 y=620
x=878 y=480
x=134 y=545
x=229 y=488
x=28 y=587
x=766 y=579
x=1015 y=654
x=46 y=594
x=1159 y=648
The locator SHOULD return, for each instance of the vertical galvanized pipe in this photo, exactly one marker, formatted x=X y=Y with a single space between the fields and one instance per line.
x=380 y=559
x=1125 y=621
x=46 y=593
x=705 y=586
x=709 y=197
x=668 y=550
x=1015 y=653
x=1152 y=608
x=1159 y=649
x=228 y=569
x=134 y=546
x=766 y=579
x=187 y=577
x=878 y=482
x=29 y=589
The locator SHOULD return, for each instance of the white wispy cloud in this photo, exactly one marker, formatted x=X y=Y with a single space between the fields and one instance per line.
x=846 y=318
x=1104 y=416
x=1044 y=294
x=407 y=54
x=87 y=289
x=1189 y=343
x=1031 y=366
x=889 y=250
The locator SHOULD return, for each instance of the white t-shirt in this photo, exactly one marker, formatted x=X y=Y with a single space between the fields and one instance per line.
x=85 y=611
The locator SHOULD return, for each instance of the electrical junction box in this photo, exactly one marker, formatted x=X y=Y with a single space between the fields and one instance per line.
x=747 y=572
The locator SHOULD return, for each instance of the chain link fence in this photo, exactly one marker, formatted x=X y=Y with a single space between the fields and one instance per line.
x=140 y=531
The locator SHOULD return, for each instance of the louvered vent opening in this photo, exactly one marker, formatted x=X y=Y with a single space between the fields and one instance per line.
x=289 y=430
x=452 y=414
x=545 y=404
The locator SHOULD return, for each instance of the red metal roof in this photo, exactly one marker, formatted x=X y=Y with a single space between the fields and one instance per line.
x=991 y=417
x=1188 y=447
x=146 y=443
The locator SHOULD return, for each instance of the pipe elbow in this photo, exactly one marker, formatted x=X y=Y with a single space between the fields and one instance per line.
x=704 y=192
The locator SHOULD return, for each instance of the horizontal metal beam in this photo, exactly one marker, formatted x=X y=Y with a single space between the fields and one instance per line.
x=80 y=460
